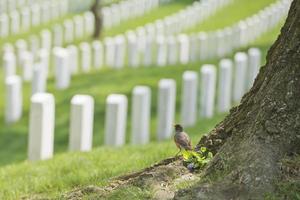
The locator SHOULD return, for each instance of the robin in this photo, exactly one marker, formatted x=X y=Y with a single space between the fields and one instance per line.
x=182 y=140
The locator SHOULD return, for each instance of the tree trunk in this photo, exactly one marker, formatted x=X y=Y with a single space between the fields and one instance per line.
x=261 y=131
x=96 y=9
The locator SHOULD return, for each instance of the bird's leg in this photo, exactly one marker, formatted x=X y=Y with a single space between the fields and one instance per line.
x=178 y=152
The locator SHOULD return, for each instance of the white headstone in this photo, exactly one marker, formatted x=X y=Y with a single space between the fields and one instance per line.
x=15 y=22
x=86 y=60
x=133 y=53
x=21 y=47
x=43 y=58
x=25 y=19
x=79 y=26
x=150 y=29
x=97 y=47
x=159 y=26
x=27 y=65
x=89 y=22
x=11 y=5
x=194 y=47
x=240 y=77
x=221 y=44
x=172 y=50
x=109 y=52
x=189 y=98
x=35 y=15
x=229 y=40
x=58 y=35
x=62 y=69
x=184 y=55
x=46 y=40
x=81 y=124
x=203 y=46
x=41 y=127
x=64 y=7
x=69 y=31
x=115 y=120
x=8 y=48
x=141 y=41
x=254 y=65
x=34 y=44
x=9 y=64
x=161 y=52
x=166 y=108
x=45 y=12
x=14 y=99
x=4 y=25
x=119 y=51
x=208 y=87
x=54 y=9
x=73 y=53
x=39 y=80
x=225 y=85
x=148 y=57
x=141 y=108
x=211 y=48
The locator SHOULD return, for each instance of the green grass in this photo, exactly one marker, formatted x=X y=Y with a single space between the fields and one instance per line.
x=66 y=171
x=18 y=178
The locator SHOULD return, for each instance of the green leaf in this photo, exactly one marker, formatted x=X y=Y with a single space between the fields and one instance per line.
x=199 y=159
x=186 y=155
x=203 y=149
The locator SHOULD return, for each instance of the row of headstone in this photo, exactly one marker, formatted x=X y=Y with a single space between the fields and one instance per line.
x=71 y=29
x=189 y=17
x=124 y=10
x=137 y=48
x=146 y=48
x=203 y=45
x=7 y=6
x=83 y=5
x=183 y=19
x=82 y=25
x=223 y=42
x=20 y=21
x=198 y=99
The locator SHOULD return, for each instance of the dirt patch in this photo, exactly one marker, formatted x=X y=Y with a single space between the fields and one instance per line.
x=161 y=179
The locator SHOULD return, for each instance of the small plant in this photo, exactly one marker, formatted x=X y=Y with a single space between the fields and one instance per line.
x=195 y=160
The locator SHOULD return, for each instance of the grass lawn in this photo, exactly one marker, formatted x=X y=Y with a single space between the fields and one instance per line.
x=65 y=171
x=19 y=178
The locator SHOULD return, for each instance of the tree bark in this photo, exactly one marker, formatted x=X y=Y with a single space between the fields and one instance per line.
x=261 y=131
x=96 y=9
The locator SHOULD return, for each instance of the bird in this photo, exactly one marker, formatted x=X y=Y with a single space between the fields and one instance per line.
x=182 y=139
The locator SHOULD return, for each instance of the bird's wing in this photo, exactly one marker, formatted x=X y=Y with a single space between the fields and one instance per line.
x=185 y=141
